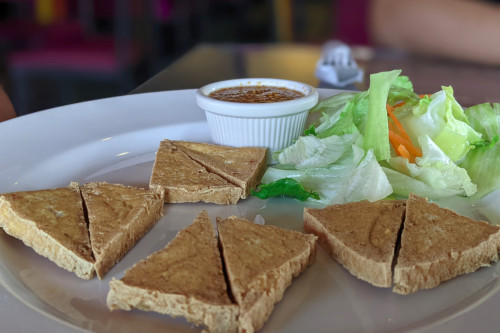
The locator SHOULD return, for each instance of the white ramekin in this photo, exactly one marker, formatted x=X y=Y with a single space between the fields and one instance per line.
x=272 y=125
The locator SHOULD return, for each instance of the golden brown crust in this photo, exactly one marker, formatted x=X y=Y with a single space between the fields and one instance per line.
x=437 y=244
x=261 y=262
x=242 y=166
x=52 y=222
x=184 y=279
x=361 y=236
x=185 y=180
x=217 y=318
x=118 y=217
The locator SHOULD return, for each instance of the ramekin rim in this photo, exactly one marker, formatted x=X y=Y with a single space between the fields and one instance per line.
x=257 y=110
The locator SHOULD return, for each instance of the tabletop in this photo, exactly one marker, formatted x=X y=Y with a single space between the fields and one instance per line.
x=210 y=62
x=205 y=63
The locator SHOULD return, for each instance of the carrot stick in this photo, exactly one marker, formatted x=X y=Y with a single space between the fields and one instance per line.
x=403 y=152
x=398 y=136
x=401 y=130
x=395 y=140
x=394 y=145
x=392 y=126
x=399 y=140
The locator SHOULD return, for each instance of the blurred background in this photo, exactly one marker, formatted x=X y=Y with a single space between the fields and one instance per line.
x=56 y=52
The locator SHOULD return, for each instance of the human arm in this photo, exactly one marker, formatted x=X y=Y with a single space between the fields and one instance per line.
x=6 y=107
x=457 y=29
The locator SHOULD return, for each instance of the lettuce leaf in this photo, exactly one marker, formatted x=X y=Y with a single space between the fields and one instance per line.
x=404 y=184
x=345 y=155
x=376 y=130
x=444 y=121
x=337 y=115
x=402 y=91
x=434 y=175
x=483 y=167
x=313 y=152
x=340 y=182
x=333 y=104
x=483 y=162
x=288 y=187
x=485 y=118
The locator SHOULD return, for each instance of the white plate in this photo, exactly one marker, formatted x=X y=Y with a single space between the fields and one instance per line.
x=115 y=140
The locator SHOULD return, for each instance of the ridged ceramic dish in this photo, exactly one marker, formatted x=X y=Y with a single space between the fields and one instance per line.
x=272 y=125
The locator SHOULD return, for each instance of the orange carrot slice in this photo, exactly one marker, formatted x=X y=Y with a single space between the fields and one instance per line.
x=399 y=140
x=401 y=130
x=403 y=152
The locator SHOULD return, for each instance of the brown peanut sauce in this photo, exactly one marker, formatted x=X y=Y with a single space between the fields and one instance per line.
x=255 y=94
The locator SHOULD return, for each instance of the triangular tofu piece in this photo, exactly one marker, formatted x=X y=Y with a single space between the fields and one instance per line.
x=242 y=166
x=118 y=217
x=437 y=244
x=52 y=222
x=361 y=236
x=185 y=180
x=184 y=279
x=261 y=261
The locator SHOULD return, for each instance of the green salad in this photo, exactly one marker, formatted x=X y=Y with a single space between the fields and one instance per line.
x=389 y=141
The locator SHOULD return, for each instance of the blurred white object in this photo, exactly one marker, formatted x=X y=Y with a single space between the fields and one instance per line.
x=337 y=66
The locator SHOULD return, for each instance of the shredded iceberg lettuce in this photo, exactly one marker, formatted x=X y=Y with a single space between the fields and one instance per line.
x=313 y=152
x=433 y=175
x=346 y=155
x=340 y=182
x=443 y=120
x=376 y=130
x=483 y=162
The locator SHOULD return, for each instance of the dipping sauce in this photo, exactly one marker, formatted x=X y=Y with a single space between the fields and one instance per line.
x=255 y=94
